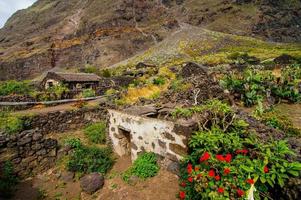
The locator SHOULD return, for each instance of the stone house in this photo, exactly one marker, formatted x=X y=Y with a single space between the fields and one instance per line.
x=73 y=81
x=132 y=134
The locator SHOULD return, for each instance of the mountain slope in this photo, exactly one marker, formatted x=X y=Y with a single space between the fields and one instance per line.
x=71 y=34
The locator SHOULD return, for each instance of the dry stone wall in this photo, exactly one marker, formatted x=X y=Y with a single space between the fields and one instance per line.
x=31 y=151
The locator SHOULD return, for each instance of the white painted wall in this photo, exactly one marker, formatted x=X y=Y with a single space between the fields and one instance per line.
x=151 y=130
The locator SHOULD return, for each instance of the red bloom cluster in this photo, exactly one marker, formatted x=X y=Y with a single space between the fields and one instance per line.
x=250 y=181
x=189 y=168
x=211 y=173
x=242 y=151
x=217 y=178
x=227 y=171
x=266 y=169
x=183 y=184
x=190 y=179
x=240 y=192
x=220 y=190
x=182 y=195
x=228 y=158
x=222 y=158
x=205 y=157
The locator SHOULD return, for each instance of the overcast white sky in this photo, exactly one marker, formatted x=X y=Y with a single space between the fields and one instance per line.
x=9 y=7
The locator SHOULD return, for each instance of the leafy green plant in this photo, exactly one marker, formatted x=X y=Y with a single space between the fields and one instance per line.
x=96 y=132
x=73 y=142
x=15 y=87
x=10 y=123
x=106 y=73
x=90 y=159
x=230 y=163
x=144 y=166
x=253 y=85
x=159 y=81
x=7 y=180
x=88 y=93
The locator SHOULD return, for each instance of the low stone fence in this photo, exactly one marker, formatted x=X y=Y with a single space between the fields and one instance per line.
x=31 y=151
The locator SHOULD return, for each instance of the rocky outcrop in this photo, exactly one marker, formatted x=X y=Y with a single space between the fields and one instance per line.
x=70 y=34
x=92 y=182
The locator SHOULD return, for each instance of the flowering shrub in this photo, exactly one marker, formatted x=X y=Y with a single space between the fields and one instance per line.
x=234 y=164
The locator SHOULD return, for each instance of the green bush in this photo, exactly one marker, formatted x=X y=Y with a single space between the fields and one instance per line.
x=91 y=69
x=7 y=180
x=96 y=133
x=229 y=163
x=88 y=93
x=90 y=159
x=106 y=73
x=15 y=87
x=11 y=124
x=58 y=91
x=159 y=81
x=144 y=166
x=73 y=143
x=253 y=85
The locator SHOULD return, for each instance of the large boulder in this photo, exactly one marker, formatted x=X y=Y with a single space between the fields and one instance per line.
x=92 y=182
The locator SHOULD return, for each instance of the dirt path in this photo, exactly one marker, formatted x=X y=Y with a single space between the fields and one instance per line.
x=164 y=186
x=48 y=186
x=61 y=107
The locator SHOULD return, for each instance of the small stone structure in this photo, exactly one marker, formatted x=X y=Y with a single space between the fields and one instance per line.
x=133 y=134
x=72 y=80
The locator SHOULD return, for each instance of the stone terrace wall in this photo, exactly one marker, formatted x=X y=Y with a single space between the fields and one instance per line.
x=31 y=151
x=66 y=120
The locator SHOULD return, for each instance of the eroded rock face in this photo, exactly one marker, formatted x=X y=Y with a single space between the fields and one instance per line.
x=92 y=182
x=71 y=34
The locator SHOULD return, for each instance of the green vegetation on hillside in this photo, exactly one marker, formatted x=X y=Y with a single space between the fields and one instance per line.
x=227 y=161
x=96 y=132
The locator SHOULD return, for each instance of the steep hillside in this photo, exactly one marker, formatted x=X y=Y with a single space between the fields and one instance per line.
x=71 y=34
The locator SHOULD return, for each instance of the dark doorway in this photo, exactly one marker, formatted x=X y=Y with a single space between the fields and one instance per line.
x=125 y=140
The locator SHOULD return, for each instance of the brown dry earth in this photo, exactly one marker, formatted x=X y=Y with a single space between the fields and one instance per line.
x=162 y=187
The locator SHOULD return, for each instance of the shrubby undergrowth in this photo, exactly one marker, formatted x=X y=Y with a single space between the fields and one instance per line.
x=144 y=166
x=87 y=159
x=96 y=132
x=227 y=161
x=254 y=85
x=7 y=180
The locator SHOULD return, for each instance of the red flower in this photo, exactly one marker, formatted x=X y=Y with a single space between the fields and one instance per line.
x=196 y=169
x=240 y=192
x=266 y=169
x=182 y=195
x=250 y=181
x=226 y=171
x=228 y=158
x=220 y=190
x=220 y=157
x=199 y=176
x=190 y=179
x=204 y=157
x=183 y=184
x=211 y=173
x=189 y=168
x=217 y=178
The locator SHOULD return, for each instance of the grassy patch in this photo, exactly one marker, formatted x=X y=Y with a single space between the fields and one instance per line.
x=96 y=133
x=15 y=87
x=11 y=123
x=86 y=159
x=144 y=166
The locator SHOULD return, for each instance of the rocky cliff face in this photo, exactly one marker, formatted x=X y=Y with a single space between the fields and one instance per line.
x=70 y=34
